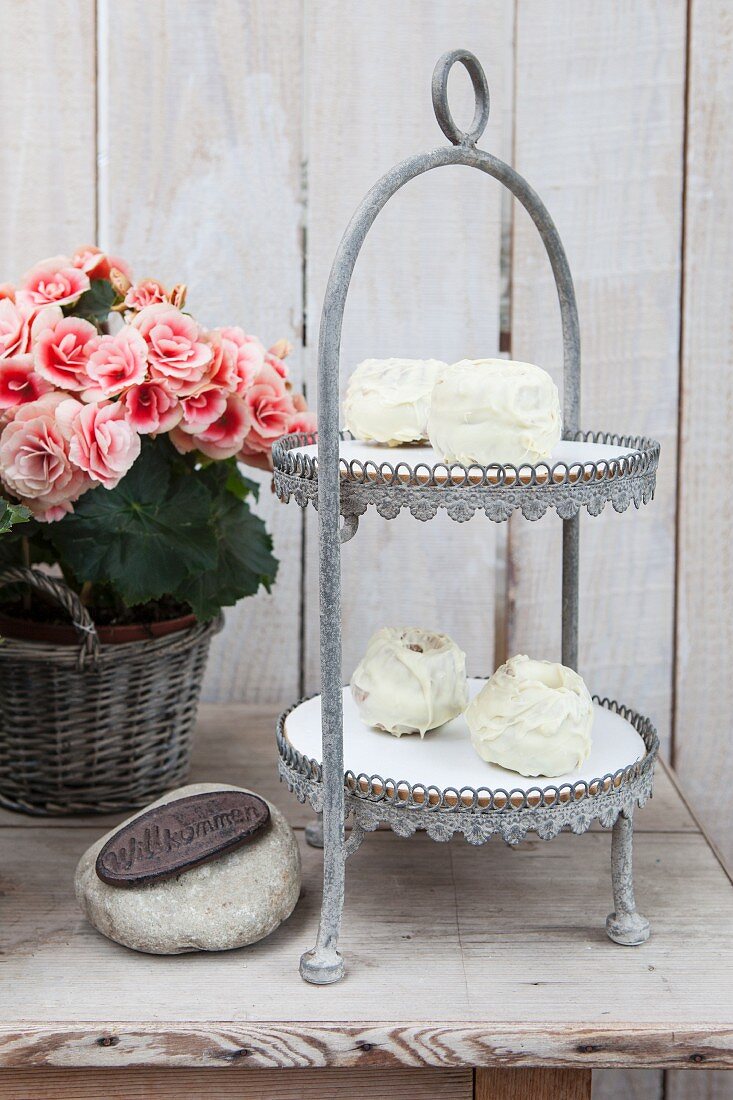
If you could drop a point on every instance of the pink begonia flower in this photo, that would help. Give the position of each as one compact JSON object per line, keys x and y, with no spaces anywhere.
{"x":270,"y":408}
{"x":35,"y":460}
{"x":53,"y":280}
{"x":149,"y":292}
{"x":221,"y":372}
{"x":201,"y":410}
{"x":21,"y":324}
{"x":15,"y":323}
{"x":223,"y":438}
{"x":62,"y":351}
{"x":302,"y":422}
{"x":19,"y":383}
{"x":151,"y":408}
{"x":248,"y":356}
{"x":7,"y":290}
{"x":103,"y":443}
{"x":116,"y":363}
{"x":277,"y":365}
{"x":97,"y":264}
{"x":176,"y":352}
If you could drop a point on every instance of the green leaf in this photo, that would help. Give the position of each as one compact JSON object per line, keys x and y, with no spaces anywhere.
{"x":143,"y":537}
{"x":11,"y":514}
{"x":95,"y":304}
{"x":239,"y":485}
{"x":245,"y":560}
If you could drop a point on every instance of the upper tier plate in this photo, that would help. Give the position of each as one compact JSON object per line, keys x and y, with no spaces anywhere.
{"x":587,"y":472}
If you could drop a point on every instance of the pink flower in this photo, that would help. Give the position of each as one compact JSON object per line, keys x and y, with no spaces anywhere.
{"x":62,"y":350}
{"x":270,"y":407}
{"x":19,"y":383}
{"x":150,"y":407}
{"x":117,"y":362}
{"x":302,"y":422}
{"x":201,"y":410}
{"x":21,"y":323}
{"x":223,"y":438}
{"x":147,"y":293}
{"x":176,"y":352}
{"x":53,"y":280}
{"x":35,"y":460}
{"x":103,"y":443}
{"x":248,"y":356}
{"x":7,"y":290}
{"x":222,"y":370}
{"x":277,"y":365}
{"x":97,"y":264}
{"x":14,"y":328}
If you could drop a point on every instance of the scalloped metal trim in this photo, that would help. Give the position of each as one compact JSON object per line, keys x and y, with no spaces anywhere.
{"x":498,"y":491}
{"x":478,"y":814}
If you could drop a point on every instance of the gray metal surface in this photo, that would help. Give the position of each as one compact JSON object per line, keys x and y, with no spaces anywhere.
{"x":324,"y":782}
{"x":372,"y":800}
{"x":497,"y":491}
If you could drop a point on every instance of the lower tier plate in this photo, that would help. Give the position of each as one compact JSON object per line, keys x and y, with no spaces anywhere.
{"x":446,"y":787}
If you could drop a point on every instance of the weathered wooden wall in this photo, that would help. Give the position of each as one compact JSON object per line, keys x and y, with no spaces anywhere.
{"x":226,"y":143}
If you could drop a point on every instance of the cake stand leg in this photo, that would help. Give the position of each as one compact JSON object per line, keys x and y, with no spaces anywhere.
{"x":314,"y":832}
{"x":324,"y":963}
{"x":625,"y":925}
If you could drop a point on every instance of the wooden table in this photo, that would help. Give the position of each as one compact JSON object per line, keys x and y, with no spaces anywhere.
{"x":457,"y":958}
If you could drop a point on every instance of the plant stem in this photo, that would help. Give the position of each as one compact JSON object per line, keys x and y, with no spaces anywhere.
{"x":86,"y":593}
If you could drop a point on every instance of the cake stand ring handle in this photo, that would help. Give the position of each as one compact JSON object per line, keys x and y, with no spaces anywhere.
{"x":480,"y":91}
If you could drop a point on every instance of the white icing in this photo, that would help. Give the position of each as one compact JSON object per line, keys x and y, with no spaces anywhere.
{"x":494,"y":410}
{"x":410,"y":681}
{"x":533,"y":717}
{"x":388,"y":400}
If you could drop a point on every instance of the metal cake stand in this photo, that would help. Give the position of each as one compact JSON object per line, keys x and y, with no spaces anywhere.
{"x":593,"y":469}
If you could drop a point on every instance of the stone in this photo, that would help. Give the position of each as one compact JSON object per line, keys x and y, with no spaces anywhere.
{"x":230,"y":902}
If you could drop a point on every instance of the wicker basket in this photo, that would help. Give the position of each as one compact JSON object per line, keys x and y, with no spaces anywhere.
{"x":95,"y":729}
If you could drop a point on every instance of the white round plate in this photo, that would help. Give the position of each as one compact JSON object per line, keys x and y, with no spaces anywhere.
{"x":445,"y":758}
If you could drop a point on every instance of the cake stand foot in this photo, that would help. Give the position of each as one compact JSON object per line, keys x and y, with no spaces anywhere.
{"x":625,"y":925}
{"x":321,"y":966}
{"x":314,"y":832}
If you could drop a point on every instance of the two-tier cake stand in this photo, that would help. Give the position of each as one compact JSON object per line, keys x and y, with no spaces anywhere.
{"x":445,"y":788}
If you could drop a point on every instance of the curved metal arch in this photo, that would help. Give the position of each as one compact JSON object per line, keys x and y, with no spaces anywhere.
{"x":324,"y":963}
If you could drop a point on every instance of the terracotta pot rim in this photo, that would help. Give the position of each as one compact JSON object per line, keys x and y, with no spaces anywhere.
{"x":62,"y":634}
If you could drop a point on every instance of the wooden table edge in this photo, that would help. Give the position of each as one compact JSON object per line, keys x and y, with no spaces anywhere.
{"x":269,"y":1045}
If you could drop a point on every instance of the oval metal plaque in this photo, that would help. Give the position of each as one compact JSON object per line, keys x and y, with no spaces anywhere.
{"x":170,"y":839}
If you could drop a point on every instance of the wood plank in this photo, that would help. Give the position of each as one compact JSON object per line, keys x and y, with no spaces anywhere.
{"x":629,"y":1084}
{"x":236,"y":744}
{"x":526,"y":924}
{"x":532,"y":1084}
{"x":383,"y":1045}
{"x":704,"y":694}
{"x":47,"y":158}
{"x":599,"y":131}
{"x":427,"y":284}
{"x":201,"y":184}
{"x":704,"y":591}
{"x":234,"y":1084}
{"x":712,"y":1085}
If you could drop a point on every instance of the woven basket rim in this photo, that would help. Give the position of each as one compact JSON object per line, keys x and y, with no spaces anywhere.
{"x":21,"y":649}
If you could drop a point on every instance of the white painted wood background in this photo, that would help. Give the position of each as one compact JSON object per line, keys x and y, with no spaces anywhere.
{"x":225,"y":143}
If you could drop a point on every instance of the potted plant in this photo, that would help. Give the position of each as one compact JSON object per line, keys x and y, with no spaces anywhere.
{"x":123,"y":423}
